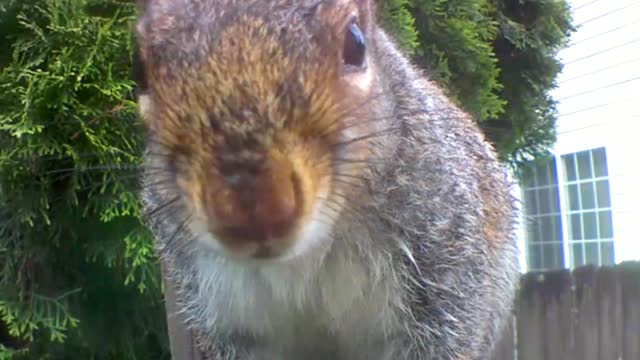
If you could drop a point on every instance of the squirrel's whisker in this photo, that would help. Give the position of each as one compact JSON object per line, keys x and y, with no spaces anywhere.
{"x":365,"y":137}
{"x":358,"y":178}
{"x":163,"y":206}
{"x":178,"y":230}
{"x":342,"y":161}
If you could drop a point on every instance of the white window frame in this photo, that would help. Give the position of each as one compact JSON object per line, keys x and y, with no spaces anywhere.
{"x":562,"y":193}
{"x":567,"y":213}
{"x":526,"y":244}
{"x":564,"y":211}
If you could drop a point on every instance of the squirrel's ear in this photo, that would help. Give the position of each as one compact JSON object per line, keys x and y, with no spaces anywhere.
{"x":140,"y":32}
{"x":156,"y":18}
{"x":152,"y":17}
{"x":142,"y":39}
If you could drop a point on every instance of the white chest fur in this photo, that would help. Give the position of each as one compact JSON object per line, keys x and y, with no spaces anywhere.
{"x":339,"y":295}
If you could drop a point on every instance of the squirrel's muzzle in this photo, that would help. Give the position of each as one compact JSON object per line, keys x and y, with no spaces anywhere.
{"x":255,"y":204}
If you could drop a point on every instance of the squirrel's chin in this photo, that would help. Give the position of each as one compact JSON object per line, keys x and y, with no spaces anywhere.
{"x":310,"y":237}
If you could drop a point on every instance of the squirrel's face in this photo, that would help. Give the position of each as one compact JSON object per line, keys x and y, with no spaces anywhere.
{"x":258,"y":116}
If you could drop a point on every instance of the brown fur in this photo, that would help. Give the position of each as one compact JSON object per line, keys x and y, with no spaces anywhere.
{"x":497,"y":220}
{"x":294,"y":105}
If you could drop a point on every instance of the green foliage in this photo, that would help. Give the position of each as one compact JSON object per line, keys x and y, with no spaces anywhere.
{"x":531,"y":34}
{"x":398,"y":20}
{"x":24,"y":319}
{"x":497,"y":59}
{"x":77,"y":265}
{"x":456,"y":46}
{"x":78,"y":277}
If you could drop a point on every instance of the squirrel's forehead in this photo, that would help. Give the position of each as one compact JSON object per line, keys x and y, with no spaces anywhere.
{"x":294,"y":37}
{"x":166,"y":17}
{"x":181,"y":23}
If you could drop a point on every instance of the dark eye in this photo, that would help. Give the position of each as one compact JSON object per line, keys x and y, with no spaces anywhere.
{"x":353,"y":53}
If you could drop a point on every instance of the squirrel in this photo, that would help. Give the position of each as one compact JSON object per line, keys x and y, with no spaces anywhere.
{"x":312,"y":193}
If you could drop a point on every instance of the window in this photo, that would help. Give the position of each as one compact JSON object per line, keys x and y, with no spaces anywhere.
{"x":545,"y":249}
{"x":568,"y":222}
{"x":588,"y":208}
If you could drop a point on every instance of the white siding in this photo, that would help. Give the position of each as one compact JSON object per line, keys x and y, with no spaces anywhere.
{"x":600,"y":82}
{"x":622,"y":143}
{"x":599,"y":105}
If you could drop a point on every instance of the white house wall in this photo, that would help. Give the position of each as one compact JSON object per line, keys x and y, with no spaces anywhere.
{"x":599,"y":105}
{"x":623,"y":156}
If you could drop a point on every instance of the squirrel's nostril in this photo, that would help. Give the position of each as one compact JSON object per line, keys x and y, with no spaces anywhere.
{"x":257,"y":206}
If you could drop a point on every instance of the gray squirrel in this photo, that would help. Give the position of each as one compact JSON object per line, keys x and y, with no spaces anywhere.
{"x":311,"y":193}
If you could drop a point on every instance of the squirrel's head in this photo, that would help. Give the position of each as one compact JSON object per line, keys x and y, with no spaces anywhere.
{"x":258,"y":115}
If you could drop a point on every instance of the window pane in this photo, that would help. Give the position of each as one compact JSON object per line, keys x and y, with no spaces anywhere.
{"x":606,"y":224}
{"x":527,"y":181}
{"x":589,"y":222}
{"x":591,"y":252}
{"x":573,"y":195}
{"x":576,"y":228}
{"x":552,"y":256}
{"x":577,"y":255}
{"x":533,"y":230}
{"x":584,"y":165}
{"x":529,"y":176}
{"x":544,"y":197}
{"x":570,"y":167}
{"x":587,"y":196}
{"x":530,"y":202}
{"x":600,"y":162}
{"x":607,"y":253}
{"x":546,"y":223}
{"x":542,"y":173}
{"x":602,"y":190}
{"x":535,"y":257}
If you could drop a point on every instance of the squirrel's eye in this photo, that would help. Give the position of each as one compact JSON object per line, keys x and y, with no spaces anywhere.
{"x":353,"y":53}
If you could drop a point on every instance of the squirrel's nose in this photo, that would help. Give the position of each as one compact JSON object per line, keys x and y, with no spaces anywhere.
{"x":257,"y":202}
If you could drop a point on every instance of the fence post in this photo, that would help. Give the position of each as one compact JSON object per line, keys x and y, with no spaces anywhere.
{"x":181,"y":340}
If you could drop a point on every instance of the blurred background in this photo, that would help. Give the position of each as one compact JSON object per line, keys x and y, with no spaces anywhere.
{"x":552,"y":83}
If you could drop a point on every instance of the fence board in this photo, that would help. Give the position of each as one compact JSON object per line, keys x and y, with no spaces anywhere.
{"x":181,"y":339}
{"x":588,"y":314}
{"x":631,"y":314}
{"x":587,"y":327}
{"x":610,"y":319}
{"x":558,"y":317}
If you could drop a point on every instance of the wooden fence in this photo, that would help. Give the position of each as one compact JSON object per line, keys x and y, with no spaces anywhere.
{"x":588,"y":314}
